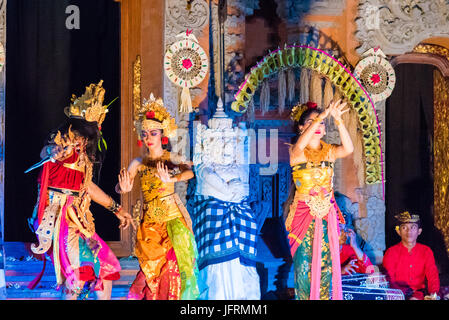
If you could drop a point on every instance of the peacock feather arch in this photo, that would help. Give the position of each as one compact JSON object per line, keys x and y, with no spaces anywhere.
{"x":304,"y":56}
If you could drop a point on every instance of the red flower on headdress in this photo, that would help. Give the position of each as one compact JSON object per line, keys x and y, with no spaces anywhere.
{"x":311,"y":105}
{"x":164,"y":140}
{"x":139,"y":143}
{"x":149,"y":115}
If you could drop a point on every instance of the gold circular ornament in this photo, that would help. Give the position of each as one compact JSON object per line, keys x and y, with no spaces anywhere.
{"x":376,"y":75}
{"x":186,"y":63}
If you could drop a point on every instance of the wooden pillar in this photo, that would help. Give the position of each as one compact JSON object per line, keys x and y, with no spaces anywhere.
{"x":142,"y":32}
{"x":152,"y":46}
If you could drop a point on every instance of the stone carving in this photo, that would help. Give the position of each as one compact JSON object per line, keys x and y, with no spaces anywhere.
{"x":372,"y":228}
{"x":291,"y":10}
{"x":183,"y":18}
{"x":221,"y":153}
{"x":246,"y":6}
{"x":284,"y":178}
{"x":223,"y":221}
{"x":221,"y":143}
{"x":398,"y":26}
{"x":178,"y":19}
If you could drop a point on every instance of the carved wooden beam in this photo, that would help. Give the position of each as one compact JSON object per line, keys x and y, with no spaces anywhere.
{"x":424,"y":58}
{"x":142,"y":34}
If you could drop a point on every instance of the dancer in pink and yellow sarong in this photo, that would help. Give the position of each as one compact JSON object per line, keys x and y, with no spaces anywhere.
{"x":313,"y":218}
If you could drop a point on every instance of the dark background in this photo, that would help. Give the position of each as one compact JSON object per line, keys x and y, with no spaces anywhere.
{"x":46,"y":64}
{"x":409,"y":156}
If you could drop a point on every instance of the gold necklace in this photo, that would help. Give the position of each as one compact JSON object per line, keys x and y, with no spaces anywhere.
{"x":163,"y":154}
{"x":315,"y":156}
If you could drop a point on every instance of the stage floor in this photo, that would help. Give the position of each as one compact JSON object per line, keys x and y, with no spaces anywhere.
{"x":274,"y":267}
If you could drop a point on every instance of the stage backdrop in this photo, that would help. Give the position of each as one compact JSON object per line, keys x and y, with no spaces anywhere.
{"x":51,"y":55}
{"x":409,"y":155}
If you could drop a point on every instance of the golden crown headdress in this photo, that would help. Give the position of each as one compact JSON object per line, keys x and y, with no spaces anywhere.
{"x":299,"y":109}
{"x":152,"y":114}
{"x":406,"y":217}
{"x":90,"y":105}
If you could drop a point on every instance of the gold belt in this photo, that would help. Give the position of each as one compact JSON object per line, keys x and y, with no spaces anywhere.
{"x":69,"y":192}
{"x":319,"y":204}
{"x":160,"y":210}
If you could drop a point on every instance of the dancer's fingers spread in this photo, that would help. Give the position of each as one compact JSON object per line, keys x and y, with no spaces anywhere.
{"x":342,"y":105}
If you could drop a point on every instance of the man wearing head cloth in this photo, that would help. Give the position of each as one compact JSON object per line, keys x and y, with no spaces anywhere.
{"x":409,"y":264}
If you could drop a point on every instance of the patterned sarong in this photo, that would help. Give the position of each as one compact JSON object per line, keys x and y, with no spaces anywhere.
{"x":224,"y":231}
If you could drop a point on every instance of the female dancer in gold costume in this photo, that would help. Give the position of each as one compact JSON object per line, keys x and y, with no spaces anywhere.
{"x":165,"y":246}
{"x":312,"y":221}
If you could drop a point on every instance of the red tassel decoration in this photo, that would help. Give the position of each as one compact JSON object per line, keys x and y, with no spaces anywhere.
{"x":164,"y":140}
{"x":139,"y":143}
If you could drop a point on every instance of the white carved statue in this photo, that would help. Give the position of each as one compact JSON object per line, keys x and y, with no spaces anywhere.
{"x":224,"y":225}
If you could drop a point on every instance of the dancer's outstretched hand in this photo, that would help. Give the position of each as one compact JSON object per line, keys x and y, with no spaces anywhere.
{"x":323,"y":115}
{"x":162,"y":172}
{"x":125,"y":181}
{"x":56,"y":152}
{"x":336,"y":109}
{"x":125,"y":220}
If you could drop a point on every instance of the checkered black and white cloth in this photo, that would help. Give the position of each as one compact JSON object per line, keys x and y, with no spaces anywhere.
{"x":224,"y":231}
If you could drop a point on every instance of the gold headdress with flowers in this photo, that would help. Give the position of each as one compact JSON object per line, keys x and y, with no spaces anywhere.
{"x":406,"y":217}
{"x":90,"y":105}
{"x":299,"y":109}
{"x":152,"y":114}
